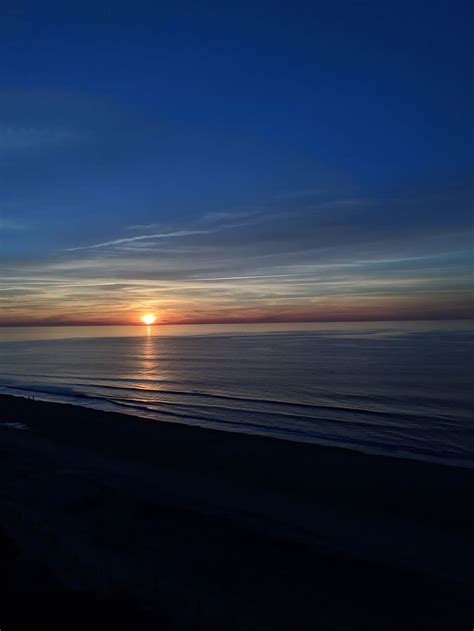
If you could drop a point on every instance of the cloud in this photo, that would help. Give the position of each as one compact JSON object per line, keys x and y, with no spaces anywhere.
{"x":11,"y":224}
{"x":16,"y":138}
{"x":158,"y":235}
{"x":227,"y":217}
{"x":209,"y":231}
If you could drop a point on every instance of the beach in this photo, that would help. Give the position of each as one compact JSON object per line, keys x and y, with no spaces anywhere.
{"x":152,"y":525}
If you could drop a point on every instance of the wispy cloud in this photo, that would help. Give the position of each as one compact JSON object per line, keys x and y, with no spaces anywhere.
{"x":143,"y":237}
{"x":215,"y":220}
{"x":11,"y":224}
{"x":14,"y":138}
{"x":252,"y":276}
{"x":230,"y":216}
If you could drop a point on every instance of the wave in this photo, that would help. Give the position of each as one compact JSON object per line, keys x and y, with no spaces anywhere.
{"x":286,"y":415}
{"x":325,"y":437}
{"x":295,"y":426}
{"x":374,"y":398}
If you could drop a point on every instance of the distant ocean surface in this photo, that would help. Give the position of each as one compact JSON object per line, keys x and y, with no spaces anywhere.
{"x":403,"y":389}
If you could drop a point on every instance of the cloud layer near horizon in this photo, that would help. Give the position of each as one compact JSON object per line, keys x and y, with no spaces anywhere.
{"x":105,"y":215}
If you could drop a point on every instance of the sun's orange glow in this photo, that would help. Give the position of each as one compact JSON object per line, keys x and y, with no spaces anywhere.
{"x":149,"y":318}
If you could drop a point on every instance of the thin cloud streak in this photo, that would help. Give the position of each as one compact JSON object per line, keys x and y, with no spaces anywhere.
{"x":159,"y":235}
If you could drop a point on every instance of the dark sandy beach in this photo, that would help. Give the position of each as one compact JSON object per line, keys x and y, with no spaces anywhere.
{"x":112,"y":521}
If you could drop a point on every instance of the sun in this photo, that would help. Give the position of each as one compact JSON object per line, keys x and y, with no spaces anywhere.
{"x":149,"y":318}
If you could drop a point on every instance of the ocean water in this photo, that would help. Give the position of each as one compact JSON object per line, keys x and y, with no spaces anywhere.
{"x":403,"y":389}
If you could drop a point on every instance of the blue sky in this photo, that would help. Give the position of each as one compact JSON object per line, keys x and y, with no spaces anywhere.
{"x":235,"y":161}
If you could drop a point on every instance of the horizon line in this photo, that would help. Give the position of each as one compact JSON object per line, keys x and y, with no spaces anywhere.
{"x":224,"y":322}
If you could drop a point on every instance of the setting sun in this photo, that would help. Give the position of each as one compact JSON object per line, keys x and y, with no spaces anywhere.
{"x":149,"y":318}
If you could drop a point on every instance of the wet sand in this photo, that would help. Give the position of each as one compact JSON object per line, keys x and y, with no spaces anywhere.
{"x":108,"y":519}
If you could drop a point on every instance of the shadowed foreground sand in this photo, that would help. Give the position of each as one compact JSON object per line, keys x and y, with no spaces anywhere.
{"x":108,"y":521}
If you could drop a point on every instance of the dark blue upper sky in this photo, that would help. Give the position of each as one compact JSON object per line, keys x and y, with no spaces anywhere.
{"x":379,"y":88}
{"x":144,"y":118}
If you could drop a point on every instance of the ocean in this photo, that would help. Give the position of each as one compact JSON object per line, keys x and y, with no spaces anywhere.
{"x":400,"y":389}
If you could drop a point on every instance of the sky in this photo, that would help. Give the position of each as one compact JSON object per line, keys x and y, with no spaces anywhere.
{"x":235,"y":161}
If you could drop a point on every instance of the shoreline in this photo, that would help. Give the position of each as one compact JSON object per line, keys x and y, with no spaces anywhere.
{"x":246,"y":429}
{"x":133,"y":496}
